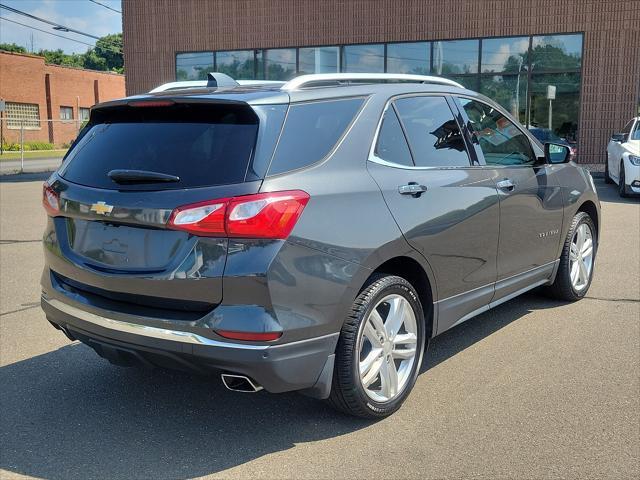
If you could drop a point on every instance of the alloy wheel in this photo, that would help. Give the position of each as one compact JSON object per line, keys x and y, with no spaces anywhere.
{"x":387,"y":348}
{"x":581,"y":257}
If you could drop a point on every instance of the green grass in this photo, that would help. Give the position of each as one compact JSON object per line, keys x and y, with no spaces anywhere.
{"x":34,"y":154}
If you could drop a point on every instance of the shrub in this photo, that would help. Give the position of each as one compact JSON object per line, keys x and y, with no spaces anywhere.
{"x":38,"y":146}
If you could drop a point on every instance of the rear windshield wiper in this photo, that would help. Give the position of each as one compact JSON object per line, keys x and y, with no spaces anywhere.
{"x":140,"y":176}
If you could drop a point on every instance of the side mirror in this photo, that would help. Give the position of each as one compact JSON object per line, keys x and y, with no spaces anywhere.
{"x":556,"y":153}
{"x":619,"y":137}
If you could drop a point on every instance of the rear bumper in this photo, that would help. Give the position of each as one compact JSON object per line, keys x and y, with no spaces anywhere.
{"x":301,"y":365}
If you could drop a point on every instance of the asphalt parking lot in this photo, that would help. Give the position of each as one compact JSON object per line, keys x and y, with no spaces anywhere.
{"x":532,"y":389}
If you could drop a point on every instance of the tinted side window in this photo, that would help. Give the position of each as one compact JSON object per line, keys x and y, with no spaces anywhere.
{"x":432,"y":131}
{"x":311,"y":130}
{"x":502,"y":143}
{"x":392,"y":146}
{"x":636,"y":133}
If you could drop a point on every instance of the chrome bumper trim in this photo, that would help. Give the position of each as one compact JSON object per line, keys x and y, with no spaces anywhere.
{"x":146,"y":331}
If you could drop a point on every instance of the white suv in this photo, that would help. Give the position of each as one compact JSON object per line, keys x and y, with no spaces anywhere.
{"x":623,"y":159}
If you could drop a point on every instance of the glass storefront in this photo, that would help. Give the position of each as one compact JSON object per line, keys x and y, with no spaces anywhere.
{"x":536,"y":78}
{"x":280,"y":64}
{"x":363,"y":58}
{"x":414,"y":58}
{"x":319,"y":60}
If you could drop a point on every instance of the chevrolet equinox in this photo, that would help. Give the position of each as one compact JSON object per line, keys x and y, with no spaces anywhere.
{"x":312,"y":235}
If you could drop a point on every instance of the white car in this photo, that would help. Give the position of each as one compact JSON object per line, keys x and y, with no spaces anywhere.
{"x":623,"y":159}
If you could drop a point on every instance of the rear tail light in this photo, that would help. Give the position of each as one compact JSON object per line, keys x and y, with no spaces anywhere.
{"x":263,"y":215}
{"x":50,"y":200}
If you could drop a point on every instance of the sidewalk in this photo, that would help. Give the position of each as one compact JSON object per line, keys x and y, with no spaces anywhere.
{"x":48,"y":164}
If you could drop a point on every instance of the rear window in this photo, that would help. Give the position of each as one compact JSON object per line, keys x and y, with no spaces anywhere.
{"x":311,"y":130}
{"x":202,"y":144}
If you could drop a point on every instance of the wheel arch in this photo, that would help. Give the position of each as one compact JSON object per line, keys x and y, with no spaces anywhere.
{"x":590,"y":209}
{"x":412,"y":271}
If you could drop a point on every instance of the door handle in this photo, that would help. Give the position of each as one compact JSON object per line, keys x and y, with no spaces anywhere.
{"x":412,"y":188}
{"x":506,"y":184}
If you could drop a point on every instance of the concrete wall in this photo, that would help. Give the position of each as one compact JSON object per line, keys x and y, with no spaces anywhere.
{"x":154,"y":30}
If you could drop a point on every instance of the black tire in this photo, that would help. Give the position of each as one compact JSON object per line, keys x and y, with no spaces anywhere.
{"x":347,"y":393}
{"x":607,"y":178}
{"x":562,"y":288}
{"x":622,"y":188}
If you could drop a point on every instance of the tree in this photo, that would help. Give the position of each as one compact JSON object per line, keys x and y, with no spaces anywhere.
{"x":105,"y":55}
{"x":109,"y":48}
{"x":12,"y":47}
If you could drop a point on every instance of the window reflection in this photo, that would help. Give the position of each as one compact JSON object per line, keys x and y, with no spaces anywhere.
{"x":504,"y":54}
{"x":556,"y":52}
{"x":193,"y":66}
{"x":510,"y":91}
{"x":280,"y":64}
{"x":319,"y":60}
{"x":237,"y":64}
{"x":564,"y":108}
{"x":363,"y":58}
{"x":412,"y":58}
{"x":456,"y":56}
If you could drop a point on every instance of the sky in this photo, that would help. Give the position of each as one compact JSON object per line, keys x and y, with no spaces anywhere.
{"x":82,"y":15}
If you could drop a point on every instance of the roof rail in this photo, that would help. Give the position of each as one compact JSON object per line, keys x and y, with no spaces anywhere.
{"x":204,"y":83}
{"x":308,"y":80}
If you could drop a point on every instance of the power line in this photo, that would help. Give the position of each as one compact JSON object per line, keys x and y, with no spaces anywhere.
{"x":61,"y":36}
{"x":61,"y":27}
{"x":48,"y":33}
{"x":105,"y":6}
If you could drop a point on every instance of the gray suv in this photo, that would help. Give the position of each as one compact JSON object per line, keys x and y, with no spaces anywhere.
{"x":310,"y":235}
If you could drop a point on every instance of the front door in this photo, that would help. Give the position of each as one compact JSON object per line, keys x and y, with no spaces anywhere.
{"x":446,"y":208}
{"x":531,"y":206}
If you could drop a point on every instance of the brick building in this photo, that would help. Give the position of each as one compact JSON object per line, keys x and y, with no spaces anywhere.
{"x":35,"y":92}
{"x":510,"y":50}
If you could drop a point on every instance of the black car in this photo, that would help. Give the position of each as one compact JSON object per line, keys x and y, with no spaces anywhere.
{"x":307,"y":236}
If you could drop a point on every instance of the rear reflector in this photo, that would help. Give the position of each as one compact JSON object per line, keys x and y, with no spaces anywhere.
{"x":50,"y":200}
{"x":263,"y":215}
{"x":250,"y":336}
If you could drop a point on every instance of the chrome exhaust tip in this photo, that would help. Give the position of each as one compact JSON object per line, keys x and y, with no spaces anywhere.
{"x":240,"y":383}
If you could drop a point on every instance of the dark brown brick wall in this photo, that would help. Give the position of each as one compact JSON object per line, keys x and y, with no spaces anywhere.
{"x":154,"y":30}
{"x":23,"y":80}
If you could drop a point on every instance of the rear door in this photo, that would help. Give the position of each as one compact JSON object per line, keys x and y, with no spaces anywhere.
{"x":531,"y":206}
{"x":446,"y":207}
{"x":110,"y":239}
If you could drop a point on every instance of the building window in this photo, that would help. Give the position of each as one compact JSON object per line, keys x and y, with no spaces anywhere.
{"x":280,"y":64}
{"x":409,"y":58}
{"x":508,"y":55}
{"x":84,"y":114}
{"x":318,"y":60}
{"x":517,"y":72}
{"x":363,"y":58}
{"x":556,"y":52}
{"x":194,"y":66}
{"x":510,"y":91}
{"x":455,"y":57}
{"x":559,"y":113}
{"x":238,"y":64}
{"x":66,"y":113}
{"x":25,"y":115}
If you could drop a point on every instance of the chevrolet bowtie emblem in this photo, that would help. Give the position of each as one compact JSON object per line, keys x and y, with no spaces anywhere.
{"x":101,"y":208}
